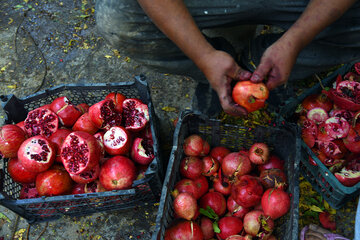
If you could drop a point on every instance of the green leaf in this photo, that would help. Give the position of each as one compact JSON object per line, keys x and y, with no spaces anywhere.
{"x":216,"y":227}
{"x":18,"y":7}
{"x":209,"y":212}
{"x":2,"y":216}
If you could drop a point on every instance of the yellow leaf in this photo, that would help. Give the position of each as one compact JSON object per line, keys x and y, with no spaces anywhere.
{"x":108,"y":56}
{"x":19,"y":233}
{"x":10,"y":21}
{"x":3,"y":69}
{"x":332,"y":211}
{"x":315,"y":208}
{"x":127,"y":59}
{"x":12,"y":86}
{"x":168,"y":109}
{"x":85,"y":26}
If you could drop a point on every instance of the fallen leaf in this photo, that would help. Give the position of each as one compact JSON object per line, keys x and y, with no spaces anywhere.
{"x":108,"y":56}
{"x":10,"y":21}
{"x":315,"y":208}
{"x":12,"y":86}
{"x":168,"y":109}
{"x":19,"y":233}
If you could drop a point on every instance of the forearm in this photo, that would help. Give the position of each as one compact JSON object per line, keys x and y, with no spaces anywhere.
{"x":317,"y":16}
{"x":174,"y":20}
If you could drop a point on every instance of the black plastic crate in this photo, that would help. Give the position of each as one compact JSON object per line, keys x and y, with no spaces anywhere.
{"x":144,"y":191}
{"x":320,"y":177}
{"x":283,"y":141}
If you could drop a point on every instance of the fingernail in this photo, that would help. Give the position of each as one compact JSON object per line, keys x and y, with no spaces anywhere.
{"x":255,"y":77}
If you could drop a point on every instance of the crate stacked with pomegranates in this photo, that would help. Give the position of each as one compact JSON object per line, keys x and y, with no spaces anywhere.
{"x":230,"y":182}
{"x":83,"y":149}
{"x":329,"y":120}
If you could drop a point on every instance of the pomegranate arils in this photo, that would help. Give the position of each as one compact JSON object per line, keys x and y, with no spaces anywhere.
{"x":41,"y":121}
{"x":135,"y":113}
{"x":104,"y":115}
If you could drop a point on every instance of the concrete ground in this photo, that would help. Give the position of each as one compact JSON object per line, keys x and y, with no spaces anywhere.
{"x":47,"y":43}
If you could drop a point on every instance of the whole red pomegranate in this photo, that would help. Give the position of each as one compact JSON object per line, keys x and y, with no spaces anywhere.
{"x":215,"y":200}
{"x":259,"y":153}
{"x":191,"y":167}
{"x":65,"y":110}
{"x":117,"y":173}
{"x":229,"y":226}
{"x":256,"y":223}
{"x":36,"y":154}
{"x":211,"y":166}
{"x":247,"y":191}
{"x":41,"y":121}
{"x":84,"y":123}
{"x":274,"y":162}
{"x":18,"y":173}
{"x":184,"y":229}
{"x":57,"y":138}
{"x":186,"y":185}
{"x":275,"y":202}
{"x":53,"y":182}
{"x":78,"y":188}
{"x":235,"y":164}
{"x":185,"y":206}
{"x":11,"y":137}
{"x":79,"y":152}
{"x":273,"y":178}
{"x":202,"y":185}
{"x":104,"y":115}
{"x":219,"y":152}
{"x":195,"y":145}
{"x":135,"y":114}
{"x":235,"y":209}
{"x":207,"y":228}
{"x":117,"y":141}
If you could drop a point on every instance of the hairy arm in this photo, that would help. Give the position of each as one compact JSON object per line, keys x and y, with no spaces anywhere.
{"x":174,"y":20}
{"x":278,"y":60}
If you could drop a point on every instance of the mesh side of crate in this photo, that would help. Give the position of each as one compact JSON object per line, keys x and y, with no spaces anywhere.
{"x":146,"y":190}
{"x":281,"y":141}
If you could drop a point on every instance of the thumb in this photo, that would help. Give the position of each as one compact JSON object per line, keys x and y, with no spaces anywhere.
{"x":261,"y":72}
{"x":241,"y":74}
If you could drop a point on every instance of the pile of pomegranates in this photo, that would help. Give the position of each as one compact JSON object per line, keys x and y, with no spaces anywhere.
{"x":227,"y":195}
{"x":331,"y":127}
{"x":62,"y":148}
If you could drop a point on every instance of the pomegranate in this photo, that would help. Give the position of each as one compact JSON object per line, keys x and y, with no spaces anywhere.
{"x":135,"y":114}
{"x":327,"y":220}
{"x":256,"y":223}
{"x":222,"y":184}
{"x":322,"y":135}
{"x":238,"y":237}
{"x":273,"y":178}
{"x":184,"y":229}
{"x":308,"y":137}
{"x":36,"y":154}
{"x":337,"y":127}
{"x":146,"y":132}
{"x":100,"y":138}
{"x":57,"y":138}
{"x":118,"y":100}
{"x":274,"y":162}
{"x":79,"y":152}
{"x":333,"y":149}
{"x":142,"y":151}
{"x":11,"y":137}
{"x":117,"y":141}
{"x":104,"y":115}
{"x":86,"y":176}
{"x":207,"y":228}
{"x":53,"y":182}
{"x":247,"y":191}
{"x":94,"y":186}
{"x":215,"y":200}
{"x":22,"y":126}
{"x":219,"y":152}
{"x":28,"y":191}
{"x":65,"y":110}
{"x":235,"y":209}
{"x":18,"y":173}
{"x":317,"y":100}
{"x":259,"y":153}
{"x":352,"y":140}
{"x":229,"y":226}
{"x":342,"y":113}
{"x":235,"y":164}
{"x":195,"y":145}
{"x":185,"y":206}
{"x":275,"y":203}
{"x":117,"y":173}
{"x":78,"y":188}
{"x":186,"y":185}
{"x":318,"y":115}
{"x":348,"y":177}
{"x":41,"y":121}
{"x":191,"y":167}
{"x":211,"y":166}
{"x":83,"y":107}
{"x":202,"y":186}
{"x":84,"y":123}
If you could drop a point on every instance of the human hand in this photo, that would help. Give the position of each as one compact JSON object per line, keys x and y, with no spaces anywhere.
{"x":315,"y":232}
{"x":276,"y":64}
{"x":221,"y":69}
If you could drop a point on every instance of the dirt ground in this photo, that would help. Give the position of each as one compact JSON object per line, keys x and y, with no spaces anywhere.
{"x":48,"y":43}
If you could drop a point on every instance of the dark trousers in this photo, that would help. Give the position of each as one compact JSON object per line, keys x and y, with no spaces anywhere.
{"x":126,"y":27}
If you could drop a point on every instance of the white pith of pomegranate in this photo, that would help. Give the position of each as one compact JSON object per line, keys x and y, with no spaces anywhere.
{"x":142,"y":151}
{"x":36,"y":154}
{"x":79,"y":152}
{"x":104,"y":115}
{"x":86,"y":176}
{"x":318,"y":115}
{"x":117,"y":141}
{"x":66,"y":111}
{"x":11,"y":137}
{"x":135,"y":114}
{"x":41,"y":121}
{"x":337,"y":127}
